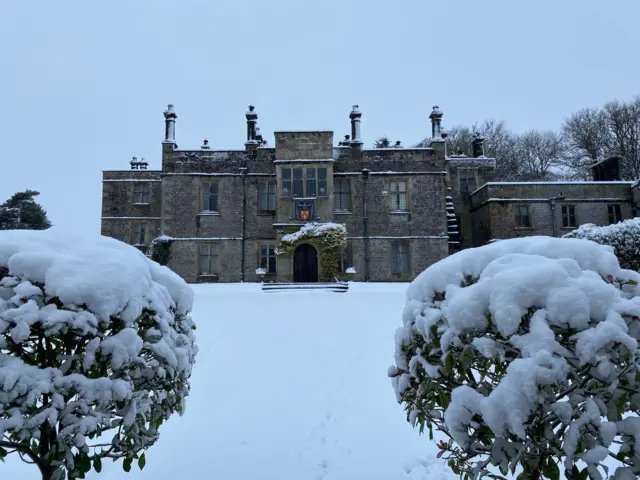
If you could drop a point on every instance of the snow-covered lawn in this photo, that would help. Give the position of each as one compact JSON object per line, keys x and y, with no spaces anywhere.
{"x":288,"y":386}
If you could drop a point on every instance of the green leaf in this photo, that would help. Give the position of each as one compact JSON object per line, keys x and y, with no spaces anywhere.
{"x":620,"y":406}
{"x":3,"y":452}
{"x":126,"y":464}
{"x":83,"y":463}
{"x":551,"y":470}
{"x":97,"y":464}
{"x":583,"y":475}
{"x":448,"y":364}
{"x":142,"y":461}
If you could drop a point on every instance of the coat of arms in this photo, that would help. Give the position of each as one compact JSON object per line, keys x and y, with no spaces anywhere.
{"x":305,"y":213}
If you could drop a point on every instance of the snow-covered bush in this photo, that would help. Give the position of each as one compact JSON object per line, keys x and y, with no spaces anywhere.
{"x":524,"y":353}
{"x":96,"y":351}
{"x":624,"y":237}
{"x":160,"y":249}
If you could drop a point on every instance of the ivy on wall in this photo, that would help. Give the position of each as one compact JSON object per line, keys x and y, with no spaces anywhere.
{"x":328,"y":238}
{"x":160,"y":250}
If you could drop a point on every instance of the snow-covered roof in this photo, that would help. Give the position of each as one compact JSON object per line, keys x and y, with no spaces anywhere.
{"x":585,"y":182}
{"x":306,"y":160}
{"x":398,"y":149}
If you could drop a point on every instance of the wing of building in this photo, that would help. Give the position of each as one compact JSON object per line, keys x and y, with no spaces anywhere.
{"x":225,"y":213}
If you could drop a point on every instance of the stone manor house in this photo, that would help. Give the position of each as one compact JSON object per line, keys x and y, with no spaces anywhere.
{"x":226,"y":212}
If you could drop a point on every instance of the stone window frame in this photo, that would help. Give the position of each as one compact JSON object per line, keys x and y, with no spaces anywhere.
{"x":398,"y":192}
{"x":400,"y":245}
{"x":569,"y":217}
{"x":340,"y":196}
{"x":304,"y":181}
{"x":614,"y":212}
{"x":134,"y":233}
{"x":203,"y":196}
{"x":141,"y":190}
{"x":268,"y":210}
{"x":268,"y":245}
{"x":215,"y":256}
{"x":519,"y":218}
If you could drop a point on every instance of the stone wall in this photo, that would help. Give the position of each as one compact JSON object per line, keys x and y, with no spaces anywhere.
{"x":494,"y":206}
{"x":119,"y":212}
{"x":304,"y":145}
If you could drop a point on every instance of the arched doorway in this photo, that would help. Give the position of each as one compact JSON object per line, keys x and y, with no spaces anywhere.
{"x":305,"y":264}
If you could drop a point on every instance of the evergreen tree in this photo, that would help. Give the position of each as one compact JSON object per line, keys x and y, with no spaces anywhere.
{"x":382,"y":142}
{"x":22,"y":212}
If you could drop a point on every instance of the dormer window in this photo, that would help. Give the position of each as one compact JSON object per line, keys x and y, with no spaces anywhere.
{"x":304,"y":182}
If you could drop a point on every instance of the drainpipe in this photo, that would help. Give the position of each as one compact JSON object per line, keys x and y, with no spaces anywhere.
{"x":365,"y":223}
{"x":552,"y":204}
{"x":243,"y":171}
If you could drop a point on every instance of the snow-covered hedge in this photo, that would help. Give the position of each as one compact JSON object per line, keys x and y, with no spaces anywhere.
{"x":524,"y":353}
{"x":96,"y":350}
{"x":624,"y":237}
{"x":329,"y":235}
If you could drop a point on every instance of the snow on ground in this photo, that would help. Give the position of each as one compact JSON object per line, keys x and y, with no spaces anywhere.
{"x":288,"y":385}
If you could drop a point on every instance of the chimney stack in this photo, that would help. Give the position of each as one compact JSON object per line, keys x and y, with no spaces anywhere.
{"x":356,"y":141}
{"x":170,"y":125}
{"x":477,"y":145}
{"x":205,"y":145}
{"x":436,"y":122}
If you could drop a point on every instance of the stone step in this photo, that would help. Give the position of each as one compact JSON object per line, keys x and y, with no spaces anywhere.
{"x":326,"y":287}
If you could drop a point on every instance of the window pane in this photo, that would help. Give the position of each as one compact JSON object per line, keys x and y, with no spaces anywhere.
{"x":311,"y":188}
{"x":262,"y":201}
{"x":402,"y":186}
{"x":394,"y":187}
{"x":286,"y":173}
{"x":311,"y":173}
{"x":402,"y":201}
{"x":405,"y":261}
{"x":297,"y":188}
{"x":394,"y":202}
{"x":322,"y":174}
{"x":286,"y":188}
{"x":297,"y":174}
{"x":272,"y":196}
{"x":205,"y":196}
{"x":322,"y":188}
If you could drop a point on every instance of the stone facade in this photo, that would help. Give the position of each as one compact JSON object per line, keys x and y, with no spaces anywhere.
{"x":226,"y":211}
{"x":503,"y":210}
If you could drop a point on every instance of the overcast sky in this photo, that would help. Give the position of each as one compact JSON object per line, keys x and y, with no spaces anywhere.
{"x":85,"y":83}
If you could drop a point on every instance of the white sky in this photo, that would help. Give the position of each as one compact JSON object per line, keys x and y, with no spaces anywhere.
{"x":85,"y":83}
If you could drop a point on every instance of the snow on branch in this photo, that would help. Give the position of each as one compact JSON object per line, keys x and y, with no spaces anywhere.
{"x":96,"y":350}
{"x":623,"y":237}
{"x":524,"y":352}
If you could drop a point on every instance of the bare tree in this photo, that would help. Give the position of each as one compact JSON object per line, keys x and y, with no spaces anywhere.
{"x":624,"y":124}
{"x":538,"y":153}
{"x":596,"y":133}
